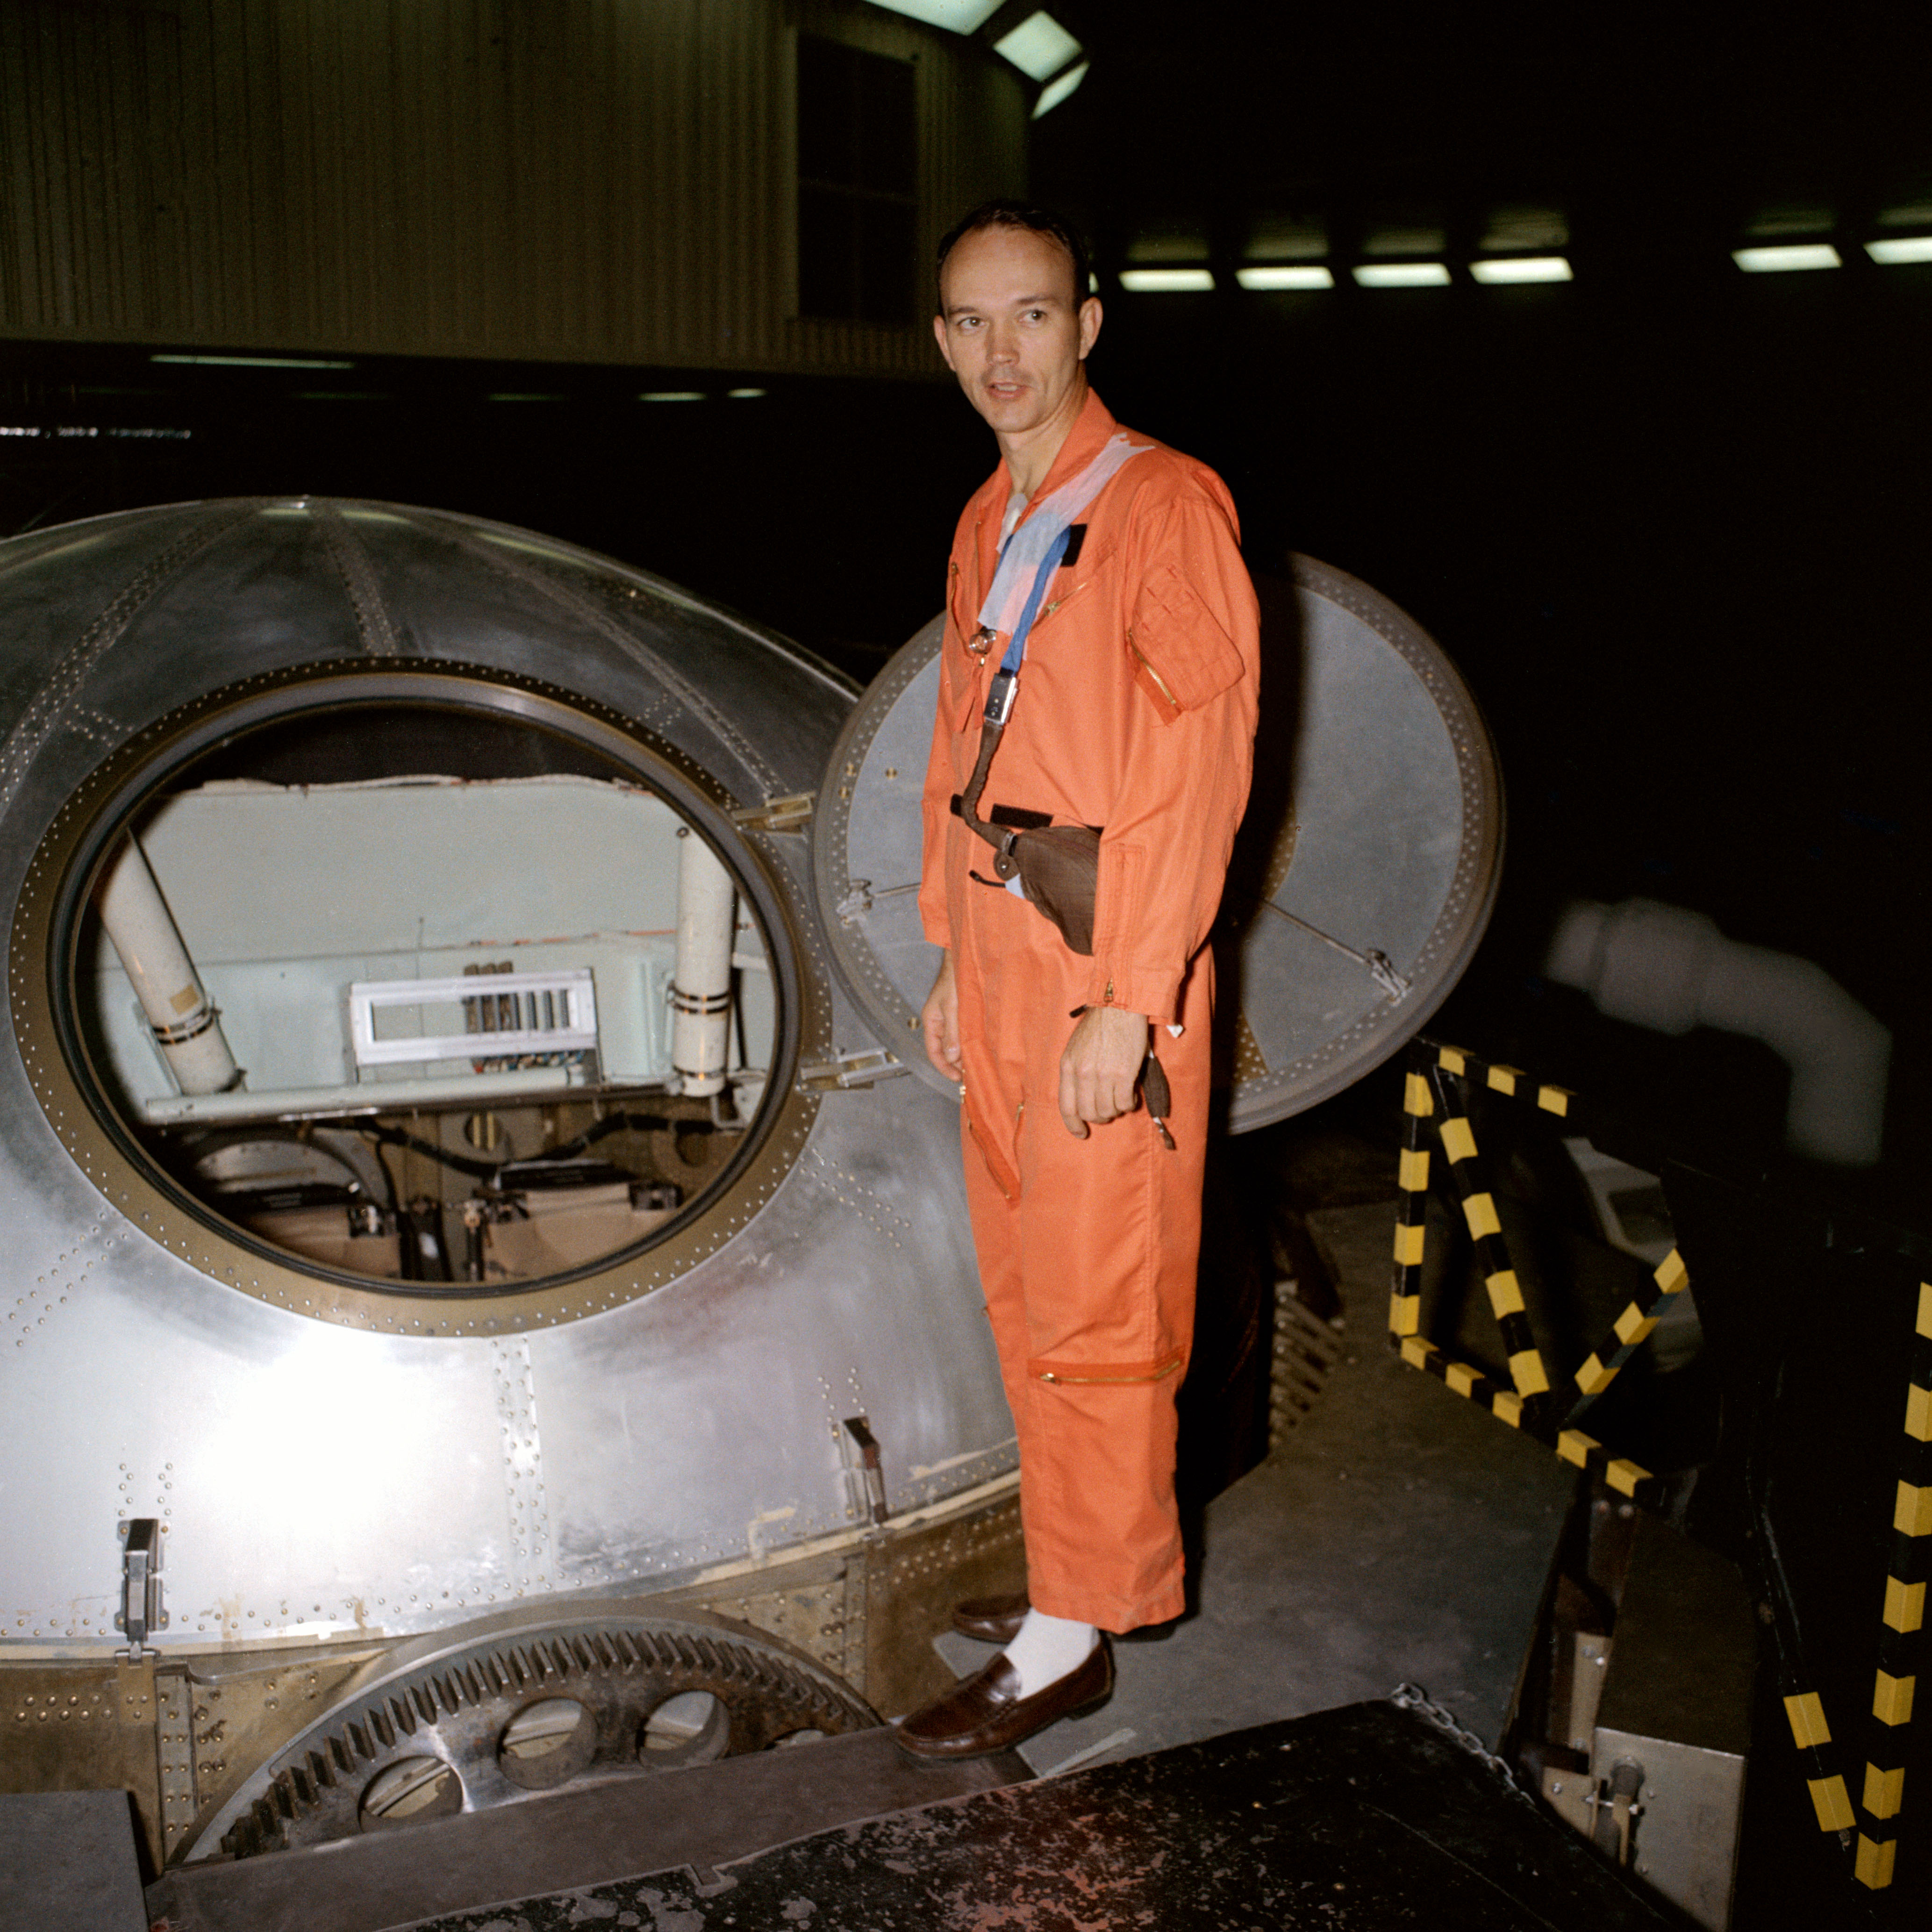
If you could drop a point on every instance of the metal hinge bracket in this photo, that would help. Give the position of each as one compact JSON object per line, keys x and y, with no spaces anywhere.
{"x":141,"y":1611}
{"x":858,"y":1067}
{"x":872,"y":1470}
{"x":789,"y":813}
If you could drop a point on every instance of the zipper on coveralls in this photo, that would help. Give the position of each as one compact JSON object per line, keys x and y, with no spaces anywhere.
{"x":1153,"y":1375}
{"x":1151,"y":672}
{"x":1059,"y":601}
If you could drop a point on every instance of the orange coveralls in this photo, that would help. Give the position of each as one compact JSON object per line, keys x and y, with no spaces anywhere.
{"x":1135,"y":712}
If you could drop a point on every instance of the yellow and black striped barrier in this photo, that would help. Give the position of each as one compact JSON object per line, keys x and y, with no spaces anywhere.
{"x":1804,"y":1711}
{"x":1435,"y":1092}
{"x":1632,"y":1330}
{"x":1902,"y":1627}
{"x":1436,"y":1110}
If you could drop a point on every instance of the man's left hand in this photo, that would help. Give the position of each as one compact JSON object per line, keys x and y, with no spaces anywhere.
{"x":1099,"y":1069}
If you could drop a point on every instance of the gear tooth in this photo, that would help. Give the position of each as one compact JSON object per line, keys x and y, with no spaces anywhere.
{"x":262,"y":1827}
{"x":385,"y":1732}
{"x":423,"y":1696}
{"x":243,"y":1839}
{"x":404,"y":1718}
{"x":341,"y":1751}
{"x":602,"y":1649}
{"x":358,"y":1741}
{"x":321,"y":1770}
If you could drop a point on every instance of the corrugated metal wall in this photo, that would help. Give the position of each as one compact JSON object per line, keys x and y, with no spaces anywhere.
{"x":580,"y":180}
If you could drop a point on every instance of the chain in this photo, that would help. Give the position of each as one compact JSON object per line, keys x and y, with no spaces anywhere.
{"x":1413,"y":1697}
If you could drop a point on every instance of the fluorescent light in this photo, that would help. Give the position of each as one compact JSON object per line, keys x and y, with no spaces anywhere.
{"x":961,"y":17}
{"x":1165,"y":281}
{"x":1285,"y":275}
{"x":1785,"y":256}
{"x":672,"y":396}
{"x":256,"y":361}
{"x":1039,"y":47}
{"x":743,"y":395}
{"x":1522,"y":268}
{"x":1403,"y":275}
{"x":1905,"y":248}
{"x":1055,"y":92}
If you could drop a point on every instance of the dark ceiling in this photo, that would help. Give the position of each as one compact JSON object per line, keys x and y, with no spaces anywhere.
{"x":1657,"y":130}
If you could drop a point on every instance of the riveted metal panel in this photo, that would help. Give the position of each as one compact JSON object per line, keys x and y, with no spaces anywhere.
{"x":330,"y":1459}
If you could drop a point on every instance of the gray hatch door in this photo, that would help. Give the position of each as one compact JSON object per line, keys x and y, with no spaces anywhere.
{"x":1361,"y":882}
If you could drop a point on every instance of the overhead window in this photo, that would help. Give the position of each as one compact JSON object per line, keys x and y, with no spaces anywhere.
{"x":858,"y":200}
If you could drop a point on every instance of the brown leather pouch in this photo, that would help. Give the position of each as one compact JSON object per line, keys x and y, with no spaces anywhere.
{"x":1058,"y":865}
{"x":1059,"y":868}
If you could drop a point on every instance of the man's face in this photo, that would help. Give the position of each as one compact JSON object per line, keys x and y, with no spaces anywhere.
{"x":1012,"y":329}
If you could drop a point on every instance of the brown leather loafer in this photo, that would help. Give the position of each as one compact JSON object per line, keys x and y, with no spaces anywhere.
{"x":985,"y":1713}
{"x":991,"y":1619}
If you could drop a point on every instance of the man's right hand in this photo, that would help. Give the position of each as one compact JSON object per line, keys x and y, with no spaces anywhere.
{"x":939,"y":1021}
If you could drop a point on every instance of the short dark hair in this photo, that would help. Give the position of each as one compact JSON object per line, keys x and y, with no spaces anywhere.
{"x":1035,"y":221}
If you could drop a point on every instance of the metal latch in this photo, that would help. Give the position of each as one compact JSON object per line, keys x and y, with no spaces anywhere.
{"x":860,"y":1431}
{"x":1616,"y":1810}
{"x":140,"y":1612}
{"x":776,"y":814}
{"x":858,"y":1067}
{"x":860,"y":898}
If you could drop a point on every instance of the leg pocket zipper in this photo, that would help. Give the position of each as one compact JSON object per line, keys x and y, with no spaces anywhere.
{"x":1106,"y":1371}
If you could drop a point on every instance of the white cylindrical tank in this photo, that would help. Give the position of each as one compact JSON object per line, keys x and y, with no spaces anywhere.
{"x":700,"y":994}
{"x":186,"y":1027}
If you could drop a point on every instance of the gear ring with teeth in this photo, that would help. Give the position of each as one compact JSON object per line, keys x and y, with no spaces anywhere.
{"x":447,"y":1727}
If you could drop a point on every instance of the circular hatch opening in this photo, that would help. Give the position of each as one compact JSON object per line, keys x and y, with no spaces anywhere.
{"x":420,"y":981}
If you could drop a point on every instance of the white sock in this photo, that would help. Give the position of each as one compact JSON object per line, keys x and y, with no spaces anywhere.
{"x":1047,"y":1647}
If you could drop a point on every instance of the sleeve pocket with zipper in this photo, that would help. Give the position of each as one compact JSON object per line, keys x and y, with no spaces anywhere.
{"x":1182,"y":655}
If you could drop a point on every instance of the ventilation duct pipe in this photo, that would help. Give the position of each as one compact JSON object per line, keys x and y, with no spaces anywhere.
{"x":1671,"y":969}
{"x":700,"y":994}
{"x":186,"y":1028}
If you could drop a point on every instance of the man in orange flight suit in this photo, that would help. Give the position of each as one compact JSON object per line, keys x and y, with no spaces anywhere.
{"x":1134,"y":713}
